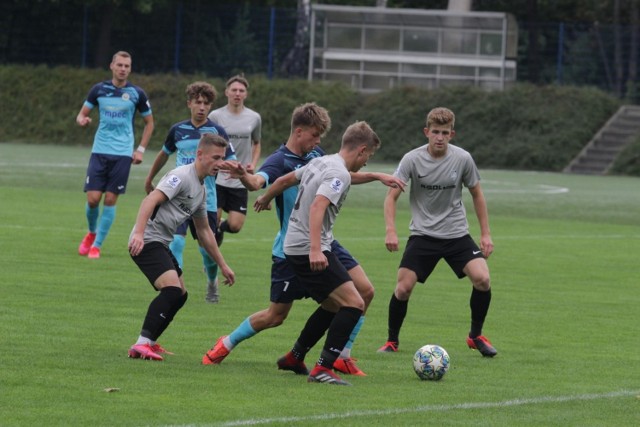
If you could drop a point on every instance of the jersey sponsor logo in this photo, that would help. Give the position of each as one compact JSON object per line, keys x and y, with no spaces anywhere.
{"x":336,"y":185}
{"x":173,"y":181}
{"x":438,"y":187}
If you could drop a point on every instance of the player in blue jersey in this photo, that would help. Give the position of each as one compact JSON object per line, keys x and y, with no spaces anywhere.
{"x":112,"y":153}
{"x":182,"y":139}
{"x":308,"y":124}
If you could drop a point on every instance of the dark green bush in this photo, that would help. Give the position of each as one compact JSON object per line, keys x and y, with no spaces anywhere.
{"x":523,"y":127}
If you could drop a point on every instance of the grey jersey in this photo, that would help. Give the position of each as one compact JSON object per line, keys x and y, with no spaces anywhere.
{"x":187,"y":197}
{"x":326,"y":176}
{"x":243,"y":129}
{"x":436,"y":191}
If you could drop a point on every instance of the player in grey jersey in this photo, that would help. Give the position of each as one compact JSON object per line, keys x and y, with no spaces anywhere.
{"x":179,"y":195}
{"x":439,"y":227}
{"x":323,"y":186}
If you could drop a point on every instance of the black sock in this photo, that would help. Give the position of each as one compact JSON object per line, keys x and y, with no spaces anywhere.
{"x":479,"y":303}
{"x":159,"y":309}
{"x":338,"y":334}
{"x":397,"y":313}
{"x":174,"y":310}
{"x":313,"y":330}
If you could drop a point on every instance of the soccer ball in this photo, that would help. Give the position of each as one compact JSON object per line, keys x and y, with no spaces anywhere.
{"x":431,"y":362}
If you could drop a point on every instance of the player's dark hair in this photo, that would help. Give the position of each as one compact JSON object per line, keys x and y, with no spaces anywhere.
{"x":238,"y":78}
{"x":204,"y":89}
{"x":311,"y":115}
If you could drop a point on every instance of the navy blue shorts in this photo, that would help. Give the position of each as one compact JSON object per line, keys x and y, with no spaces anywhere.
{"x":319,"y":284}
{"x":285,"y":287}
{"x":107,"y":172}
{"x":422,"y":253}
{"x":232,"y":199}
{"x":155,"y":260}
{"x":213,"y":224}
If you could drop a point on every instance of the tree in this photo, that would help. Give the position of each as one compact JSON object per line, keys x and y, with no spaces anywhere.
{"x":295,"y":63}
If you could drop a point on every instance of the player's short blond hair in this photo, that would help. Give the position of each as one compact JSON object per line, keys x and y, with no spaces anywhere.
{"x":360,"y":133}
{"x":440,"y":116}
{"x":311,"y":115}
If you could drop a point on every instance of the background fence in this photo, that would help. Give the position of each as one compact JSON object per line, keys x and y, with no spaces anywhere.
{"x":219,"y":40}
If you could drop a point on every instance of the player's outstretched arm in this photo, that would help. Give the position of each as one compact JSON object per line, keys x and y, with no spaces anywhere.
{"x":236,"y":170}
{"x":275,"y":189}
{"x":158,"y":163}
{"x":385,"y":178}
{"x":144,"y":141}
{"x":391,"y":235}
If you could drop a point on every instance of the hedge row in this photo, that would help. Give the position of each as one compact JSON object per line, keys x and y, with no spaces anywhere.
{"x":524,"y":127}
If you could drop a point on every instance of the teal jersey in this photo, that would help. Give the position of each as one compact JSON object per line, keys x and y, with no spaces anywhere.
{"x":117,"y":108}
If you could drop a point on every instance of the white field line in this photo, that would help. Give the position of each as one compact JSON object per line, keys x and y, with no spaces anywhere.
{"x":430,"y":408}
{"x":241,"y":239}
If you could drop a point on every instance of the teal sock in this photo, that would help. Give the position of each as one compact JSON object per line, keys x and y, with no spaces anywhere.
{"x":106,"y":220}
{"x":210,"y":266}
{"x":92,"y":217}
{"x":243,"y":332}
{"x":346,"y":351}
{"x":177,"y":247}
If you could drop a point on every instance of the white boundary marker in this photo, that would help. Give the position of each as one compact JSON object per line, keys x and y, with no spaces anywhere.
{"x":431,"y":408}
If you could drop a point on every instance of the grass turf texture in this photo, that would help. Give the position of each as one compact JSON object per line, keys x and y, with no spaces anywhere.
{"x":564,"y":314}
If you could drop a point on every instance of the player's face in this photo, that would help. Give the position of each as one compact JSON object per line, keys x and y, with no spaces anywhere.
{"x":365,"y":153}
{"x":200,"y":108}
{"x":121,"y":68}
{"x":211,"y":158}
{"x":308,"y":138}
{"x":439,"y":137}
{"x":236,"y":94}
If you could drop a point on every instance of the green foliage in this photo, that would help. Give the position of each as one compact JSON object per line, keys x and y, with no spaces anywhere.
{"x":523,"y":127}
{"x":628,"y":162}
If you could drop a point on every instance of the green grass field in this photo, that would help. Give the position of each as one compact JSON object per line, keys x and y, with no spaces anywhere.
{"x":564,"y":315}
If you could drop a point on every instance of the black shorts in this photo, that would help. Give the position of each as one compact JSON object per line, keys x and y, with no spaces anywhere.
{"x":213,"y":224}
{"x":155,"y":260}
{"x":232,"y":199}
{"x":107,"y":172}
{"x":319,"y":284}
{"x":285,"y":286}
{"x":423,"y":253}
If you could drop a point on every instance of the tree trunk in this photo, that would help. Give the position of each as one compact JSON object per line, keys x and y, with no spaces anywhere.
{"x":103,"y":50}
{"x":533,"y":55}
{"x":295,"y":63}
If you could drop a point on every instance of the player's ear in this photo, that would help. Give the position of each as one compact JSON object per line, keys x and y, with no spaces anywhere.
{"x":426,"y":132}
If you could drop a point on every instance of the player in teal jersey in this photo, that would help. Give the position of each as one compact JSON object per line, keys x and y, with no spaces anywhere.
{"x":182,"y":139}
{"x":112,"y":153}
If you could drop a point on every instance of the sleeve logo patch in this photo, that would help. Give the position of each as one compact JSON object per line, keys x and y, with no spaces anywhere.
{"x":336,"y":185}
{"x":173,"y":181}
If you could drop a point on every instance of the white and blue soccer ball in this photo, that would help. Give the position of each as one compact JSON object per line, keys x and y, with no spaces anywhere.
{"x":431,"y":362}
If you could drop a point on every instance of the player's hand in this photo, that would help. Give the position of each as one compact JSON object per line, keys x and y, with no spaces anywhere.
{"x":136,"y":244}
{"x":233,"y":168}
{"x":137,"y":157}
{"x":391,"y":241}
{"x":83,"y":121}
{"x":148,"y":187}
{"x":318,"y":261}
{"x":229,"y":276}
{"x":486,"y":246}
{"x":250,"y":169}
{"x":392,"y":181}
{"x":262,"y":204}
